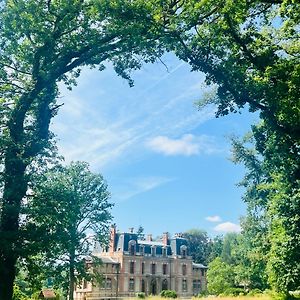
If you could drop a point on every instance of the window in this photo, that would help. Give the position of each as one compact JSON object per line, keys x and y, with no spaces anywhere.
{"x":183,"y":251}
{"x":197,"y":286}
{"x":164,"y":285}
{"x":164,"y":269}
{"x":202,"y":272}
{"x":131,"y":267}
{"x":143,"y":267}
{"x":131,"y":285}
{"x":183,"y":270}
{"x":84,"y":284}
{"x":108,"y":284}
{"x":184,"y":285}
{"x":131,"y":247}
{"x":142,"y":250}
{"x":153,"y":250}
{"x":164,"y":252}
{"x":153,"y":268}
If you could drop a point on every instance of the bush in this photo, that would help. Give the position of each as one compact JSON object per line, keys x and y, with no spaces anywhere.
{"x":168,"y":294}
{"x":254,"y":292}
{"x":233,"y":292}
{"x":140,"y":295}
{"x":18,"y":294}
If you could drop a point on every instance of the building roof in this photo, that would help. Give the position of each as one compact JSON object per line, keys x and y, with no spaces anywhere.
{"x":47,"y":294}
{"x":200,"y":266}
{"x":150,"y":243}
{"x":106,"y":259}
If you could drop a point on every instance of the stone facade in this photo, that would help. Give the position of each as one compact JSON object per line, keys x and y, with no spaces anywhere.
{"x":131,"y":265}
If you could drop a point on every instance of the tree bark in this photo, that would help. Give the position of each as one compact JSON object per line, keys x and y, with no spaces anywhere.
{"x":72,"y":275}
{"x":14,"y":190}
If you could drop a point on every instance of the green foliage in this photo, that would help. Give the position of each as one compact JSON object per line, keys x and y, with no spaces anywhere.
{"x":141,"y":295}
{"x":249,"y":51}
{"x":233,"y":291}
{"x":168,"y":294}
{"x":254,"y":292}
{"x":220,"y":277}
{"x":67,"y":205}
{"x":199,"y":245}
{"x":18,"y":294}
{"x":43,"y":43}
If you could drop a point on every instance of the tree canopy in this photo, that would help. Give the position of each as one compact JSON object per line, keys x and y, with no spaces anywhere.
{"x":70,"y":207}
{"x":42,"y":43}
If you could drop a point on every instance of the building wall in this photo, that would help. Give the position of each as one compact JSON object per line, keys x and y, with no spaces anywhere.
{"x":126,"y":273}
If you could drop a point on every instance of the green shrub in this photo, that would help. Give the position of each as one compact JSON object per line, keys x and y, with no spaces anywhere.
{"x":254,"y":292}
{"x":233,"y":292}
{"x":140,"y":295}
{"x":18,"y":294}
{"x":203,"y":294}
{"x":168,"y":294}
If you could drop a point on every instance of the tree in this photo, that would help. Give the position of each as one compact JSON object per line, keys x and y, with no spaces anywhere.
{"x":271,"y":227}
{"x":140,"y":233}
{"x":71,"y":206}
{"x":249,"y":51}
{"x":220,"y":276}
{"x":42,"y":43}
{"x":198,"y":245}
{"x":216,"y":247}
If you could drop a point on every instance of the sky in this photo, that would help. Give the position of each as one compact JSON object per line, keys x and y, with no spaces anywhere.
{"x":166,"y":163}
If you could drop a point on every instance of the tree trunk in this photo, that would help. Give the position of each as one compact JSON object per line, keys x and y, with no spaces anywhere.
{"x":72,"y":276}
{"x":15,"y":187}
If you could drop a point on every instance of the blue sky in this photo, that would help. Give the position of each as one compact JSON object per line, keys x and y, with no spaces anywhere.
{"x":166,"y":163}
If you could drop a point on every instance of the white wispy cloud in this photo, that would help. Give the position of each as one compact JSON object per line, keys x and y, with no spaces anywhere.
{"x":228,"y":227}
{"x":104,"y":121}
{"x":187,"y":145}
{"x":213,"y":219}
{"x":135,"y":186}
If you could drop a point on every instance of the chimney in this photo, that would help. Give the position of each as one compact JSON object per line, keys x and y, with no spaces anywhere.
{"x":112,"y":238}
{"x":149,"y":237}
{"x":178,"y":235}
{"x":165,"y":238}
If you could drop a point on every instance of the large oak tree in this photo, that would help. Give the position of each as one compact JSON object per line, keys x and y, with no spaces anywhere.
{"x":42,"y":43}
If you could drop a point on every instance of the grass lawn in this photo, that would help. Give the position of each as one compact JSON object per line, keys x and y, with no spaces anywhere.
{"x":257,"y":297}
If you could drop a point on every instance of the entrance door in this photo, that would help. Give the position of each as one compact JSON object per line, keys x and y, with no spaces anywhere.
{"x":153,"y":287}
{"x":164,"y":285}
{"x":143,"y":286}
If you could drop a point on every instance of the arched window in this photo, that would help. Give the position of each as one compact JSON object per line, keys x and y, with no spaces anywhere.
{"x":153,"y":250}
{"x":131,"y":285}
{"x":131,"y":247}
{"x":183,"y":270}
{"x":183,"y":251}
{"x":164,"y":285}
{"x":184,"y":285}
{"x":164,"y":251}
{"x":143,"y":286}
{"x":142,"y":249}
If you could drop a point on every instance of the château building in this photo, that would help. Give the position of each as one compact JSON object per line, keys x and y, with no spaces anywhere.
{"x":132,"y":265}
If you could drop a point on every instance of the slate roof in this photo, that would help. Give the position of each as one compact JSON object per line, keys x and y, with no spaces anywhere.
{"x":173,"y":248}
{"x":200,"y":266}
{"x":47,"y":294}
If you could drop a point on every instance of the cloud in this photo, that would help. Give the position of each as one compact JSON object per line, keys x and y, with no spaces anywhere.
{"x":228,"y":227}
{"x":138,"y":185}
{"x":187,"y":145}
{"x":103,"y":121}
{"x":213,"y":219}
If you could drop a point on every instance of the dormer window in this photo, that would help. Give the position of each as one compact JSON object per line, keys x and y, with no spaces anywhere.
{"x":164,"y":251}
{"x":142,"y":249}
{"x":131,"y":247}
{"x":153,"y":250}
{"x":183,"y":251}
